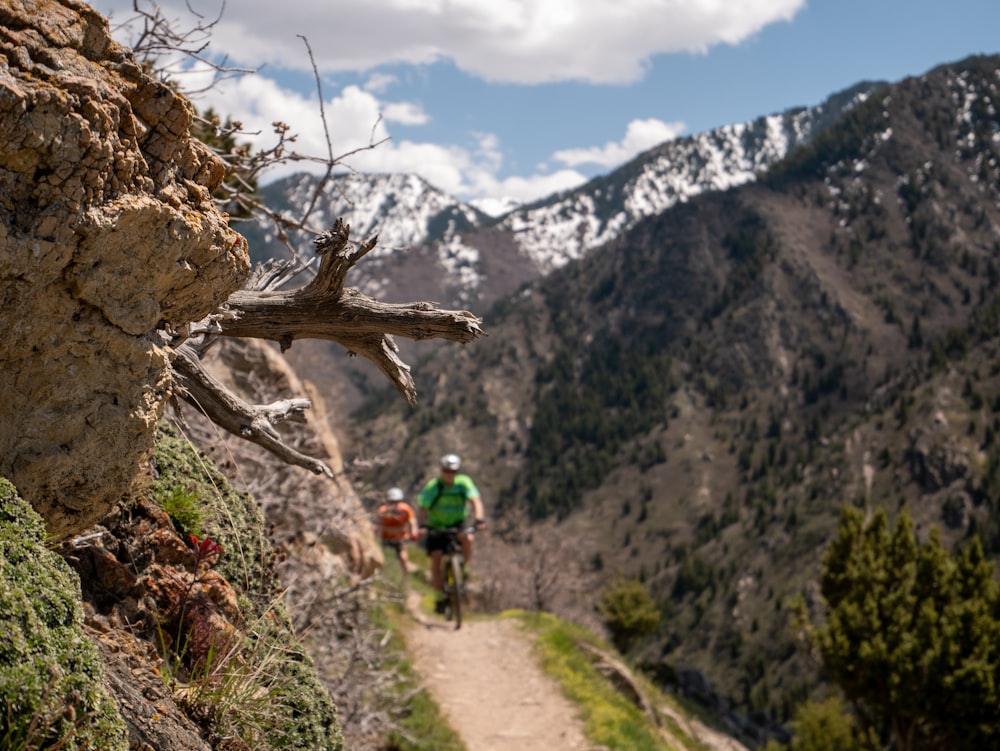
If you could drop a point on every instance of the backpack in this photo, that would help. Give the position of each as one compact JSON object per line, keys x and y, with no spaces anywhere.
{"x":439,"y":491}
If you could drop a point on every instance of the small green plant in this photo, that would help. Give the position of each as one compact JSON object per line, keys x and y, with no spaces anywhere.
{"x":185,"y":509}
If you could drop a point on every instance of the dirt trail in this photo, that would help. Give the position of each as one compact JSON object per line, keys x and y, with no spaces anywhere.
{"x":487,"y":682}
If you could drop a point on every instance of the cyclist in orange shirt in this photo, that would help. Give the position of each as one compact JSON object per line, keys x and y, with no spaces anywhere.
{"x":398,"y":525}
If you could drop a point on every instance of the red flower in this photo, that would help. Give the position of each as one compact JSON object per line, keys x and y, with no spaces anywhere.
{"x":204,"y":549}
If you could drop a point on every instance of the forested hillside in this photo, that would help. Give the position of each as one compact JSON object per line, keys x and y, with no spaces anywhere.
{"x":695,"y":401}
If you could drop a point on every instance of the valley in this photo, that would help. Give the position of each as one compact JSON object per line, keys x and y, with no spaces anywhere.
{"x":693,"y":401}
{"x":733,"y":408}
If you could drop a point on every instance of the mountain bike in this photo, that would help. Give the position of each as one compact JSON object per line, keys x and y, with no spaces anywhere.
{"x":454,"y":579}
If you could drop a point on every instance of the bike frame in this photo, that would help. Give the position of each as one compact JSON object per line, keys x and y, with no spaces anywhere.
{"x":451,"y":571}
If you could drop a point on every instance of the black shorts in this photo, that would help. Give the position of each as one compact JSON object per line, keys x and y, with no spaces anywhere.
{"x":437,"y":539}
{"x":396,"y":545}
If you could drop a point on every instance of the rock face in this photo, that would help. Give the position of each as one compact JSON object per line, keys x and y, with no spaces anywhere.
{"x":321,"y":521}
{"x":107,"y":233}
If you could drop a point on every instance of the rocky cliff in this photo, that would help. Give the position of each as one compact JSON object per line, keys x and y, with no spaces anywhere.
{"x":108,"y":232}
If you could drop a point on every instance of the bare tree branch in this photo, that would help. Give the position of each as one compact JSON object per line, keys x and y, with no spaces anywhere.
{"x":255,"y":423}
{"x":324,"y":309}
{"x":321,"y":309}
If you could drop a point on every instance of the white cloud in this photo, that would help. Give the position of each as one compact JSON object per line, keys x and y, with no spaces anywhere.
{"x":522,"y":41}
{"x":639,"y":136}
{"x":377,"y":83}
{"x":526,"y":41}
{"x":356,"y":118}
{"x":405,"y":113}
{"x":488,"y":151}
{"x":526,"y":189}
{"x":353,"y":120}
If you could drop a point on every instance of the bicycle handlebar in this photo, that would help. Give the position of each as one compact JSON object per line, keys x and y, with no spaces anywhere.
{"x":453,"y":531}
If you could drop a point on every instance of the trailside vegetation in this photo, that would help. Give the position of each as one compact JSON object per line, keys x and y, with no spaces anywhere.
{"x":911,"y":635}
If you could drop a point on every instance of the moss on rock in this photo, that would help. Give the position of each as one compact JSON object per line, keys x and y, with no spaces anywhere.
{"x":298,"y":711}
{"x":229,"y":517}
{"x":51,"y":680}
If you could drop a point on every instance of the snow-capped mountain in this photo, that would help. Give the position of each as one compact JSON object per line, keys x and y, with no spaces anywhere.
{"x":403,"y":210}
{"x":459,"y":254}
{"x":565,"y":227}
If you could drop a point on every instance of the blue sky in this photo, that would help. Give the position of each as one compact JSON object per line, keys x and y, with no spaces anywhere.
{"x":519,"y":98}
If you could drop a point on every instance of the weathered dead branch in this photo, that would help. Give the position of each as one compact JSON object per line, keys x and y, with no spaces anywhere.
{"x":254,"y":423}
{"x":325,"y":309}
{"x":322,"y":309}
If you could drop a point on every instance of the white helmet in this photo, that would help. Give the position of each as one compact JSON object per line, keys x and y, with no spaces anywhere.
{"x":451,"y":461}
{"x":395,"y":494}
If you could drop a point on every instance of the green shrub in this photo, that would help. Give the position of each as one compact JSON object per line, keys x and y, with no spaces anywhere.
{"x":824,"y":726}
{"x":912,"y":633}
{"x":628,"y":611}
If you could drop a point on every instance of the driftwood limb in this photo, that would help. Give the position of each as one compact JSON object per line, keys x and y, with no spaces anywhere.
{"x":254,"y":423}
{"x":322,"y":309}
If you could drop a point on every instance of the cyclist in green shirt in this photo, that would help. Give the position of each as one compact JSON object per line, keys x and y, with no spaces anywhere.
{"x":443,"y":504}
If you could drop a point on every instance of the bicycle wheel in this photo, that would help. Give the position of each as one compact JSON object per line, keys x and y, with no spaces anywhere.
{"x":453,"y":582}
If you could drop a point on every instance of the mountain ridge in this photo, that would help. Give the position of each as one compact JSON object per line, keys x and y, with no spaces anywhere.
{"x":406,"y":211}
{"x":466,"y":259}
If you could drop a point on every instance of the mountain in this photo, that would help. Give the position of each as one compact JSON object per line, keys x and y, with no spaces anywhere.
{"x":432,"y":246}
{"x":564,"y":227}
{"x":692,"y":402}
{"x":471,"y":247}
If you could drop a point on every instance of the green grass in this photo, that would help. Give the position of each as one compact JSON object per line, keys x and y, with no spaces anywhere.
{"x":184,"y":507}
{"x":611,"y":720}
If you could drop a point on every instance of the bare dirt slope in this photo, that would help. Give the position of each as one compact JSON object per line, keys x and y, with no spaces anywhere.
{"x":485,"y":678}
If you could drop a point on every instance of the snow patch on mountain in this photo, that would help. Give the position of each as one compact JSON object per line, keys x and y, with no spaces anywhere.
{"x":402,"y":210}
{"x":561,"y":231}
{"x":495,"y":207}
{"x":460,"y":262}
